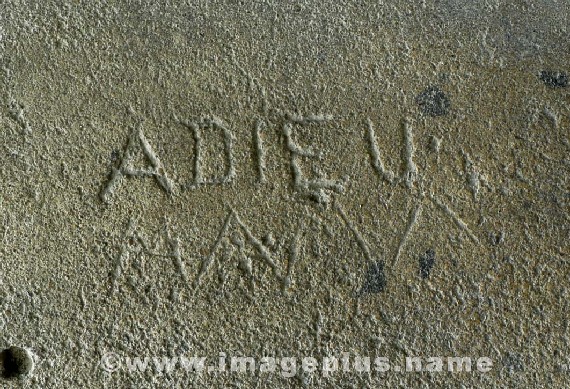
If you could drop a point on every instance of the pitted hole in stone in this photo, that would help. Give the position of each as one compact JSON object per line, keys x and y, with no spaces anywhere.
{"x":15,"y":362}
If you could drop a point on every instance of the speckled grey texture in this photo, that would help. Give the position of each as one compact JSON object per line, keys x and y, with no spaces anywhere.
{"x":269,"y":179}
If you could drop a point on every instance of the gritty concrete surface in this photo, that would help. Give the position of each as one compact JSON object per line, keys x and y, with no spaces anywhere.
{"x":272,"y":179}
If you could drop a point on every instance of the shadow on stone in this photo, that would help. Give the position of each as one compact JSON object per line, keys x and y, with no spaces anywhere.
{"x":15,"y":362}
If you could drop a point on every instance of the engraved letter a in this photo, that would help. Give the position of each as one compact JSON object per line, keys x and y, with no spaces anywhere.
{"x":137,"y":142}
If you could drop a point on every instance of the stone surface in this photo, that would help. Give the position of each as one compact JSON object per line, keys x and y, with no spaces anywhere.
{"x":383,"y":178}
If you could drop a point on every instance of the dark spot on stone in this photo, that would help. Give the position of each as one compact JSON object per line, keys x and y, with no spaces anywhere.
{"x":426,"y":263}
{"x":16,"y":362}
{"x":115,"y":155}
{"x":496,"y":239}
{"x":375,"y":281}
{"x":433,"y":102}
{"x":554,"y":79}
{"x":513,"y":362}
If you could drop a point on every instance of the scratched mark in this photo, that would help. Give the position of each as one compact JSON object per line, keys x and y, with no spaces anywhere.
{"x":135,"y":248}
{"x":427,"y":261}
{"x":137,"y":143}
{"x":210,"y":258}
{"x":411,"y":175}
{"x":409,"y":178}
{"x":411,"y":172}
{"x":304,"y":228}
{"x":377,"y":162}
{"x":263,"y":252}
{"x":414,"y":216}
{"x":293,"y":256}
{"x":259,"y":153}
{"x":313,"y":188}
{"x":458,"y":221}
{"x":359,"y":238}
{"x":211,"y":124}
{"x":174,"y":246}
{"x":130,"y":238}
{"x":375,"y":278}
